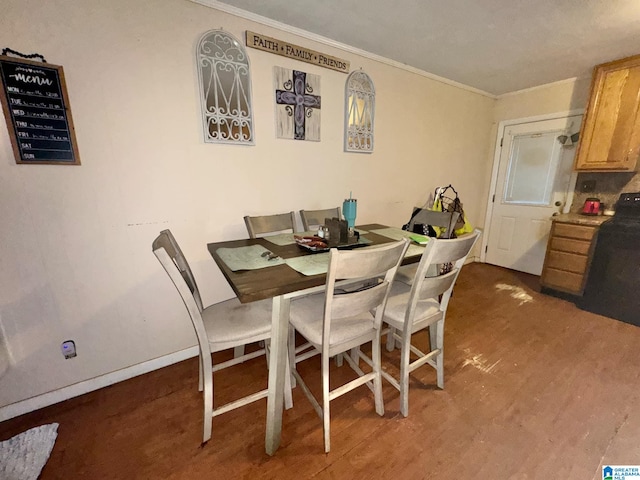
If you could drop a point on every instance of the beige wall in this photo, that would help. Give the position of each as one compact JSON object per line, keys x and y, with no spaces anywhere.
{"x":556,"y":97}
{"x":76,"y":241}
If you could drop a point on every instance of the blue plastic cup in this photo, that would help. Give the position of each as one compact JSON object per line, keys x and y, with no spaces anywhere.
{"x":349,"y":210}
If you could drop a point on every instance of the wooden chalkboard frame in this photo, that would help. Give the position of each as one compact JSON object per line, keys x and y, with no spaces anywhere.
{"x":30,"y":124}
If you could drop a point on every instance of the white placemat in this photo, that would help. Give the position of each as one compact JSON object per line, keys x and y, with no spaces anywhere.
{"x":281,"y":239}
{"x":310,"y":264}
{"x":393,"y":233}
{"x":247,"y":258}
{"x":398,"y":234}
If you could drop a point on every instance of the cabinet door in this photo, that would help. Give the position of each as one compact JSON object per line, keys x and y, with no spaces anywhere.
{"x":611,"y":130}
{"x":569,"y":253}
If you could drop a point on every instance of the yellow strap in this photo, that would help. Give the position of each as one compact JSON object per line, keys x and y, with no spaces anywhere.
{"x":466,"y":228}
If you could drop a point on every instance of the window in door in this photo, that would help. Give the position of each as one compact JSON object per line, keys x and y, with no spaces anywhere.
{"x":532,"y":166}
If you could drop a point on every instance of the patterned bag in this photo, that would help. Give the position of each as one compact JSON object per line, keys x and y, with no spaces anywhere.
{"x":448,"y":203}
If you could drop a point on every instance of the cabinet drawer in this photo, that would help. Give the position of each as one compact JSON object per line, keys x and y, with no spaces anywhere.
{"x":579,"y":232}
{"x":570,"y":245}
{"x":567,"y":261}
{"x":565,"y":281}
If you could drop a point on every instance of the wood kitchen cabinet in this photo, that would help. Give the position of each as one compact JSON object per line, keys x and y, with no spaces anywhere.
{"x":568,"y":258}
{"x":610,"y":137}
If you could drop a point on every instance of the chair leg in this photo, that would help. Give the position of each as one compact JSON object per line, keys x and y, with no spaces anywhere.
{"x":436,"y":339}
{"x":433,"y":336}
{"x":291,"y":347}
{"x":391,"y":343}
{"x":200,"y":384}
{"x":377,"y":379}
{"x":207,"y":373}
{"x":288,"y":380}
{"x":238,"y":351}
{"x":405,"y":358}
{"x":355,"y":355}
{"x":325,"y":403}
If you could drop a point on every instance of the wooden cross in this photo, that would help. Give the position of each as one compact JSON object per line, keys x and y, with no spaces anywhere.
{"x":299,"y":95}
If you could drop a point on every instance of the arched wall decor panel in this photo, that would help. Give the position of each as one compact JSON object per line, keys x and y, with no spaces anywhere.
{"x":360,"y":98}
{"x":225,"y":89}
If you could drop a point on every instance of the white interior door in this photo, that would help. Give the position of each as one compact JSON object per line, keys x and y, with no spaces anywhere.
{"x":533,"y":182}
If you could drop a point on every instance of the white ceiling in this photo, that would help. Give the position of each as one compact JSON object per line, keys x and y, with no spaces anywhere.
{"x":497,"y":46}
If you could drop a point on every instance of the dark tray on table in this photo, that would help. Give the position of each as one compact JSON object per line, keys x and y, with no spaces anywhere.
{"x":359,"y":242}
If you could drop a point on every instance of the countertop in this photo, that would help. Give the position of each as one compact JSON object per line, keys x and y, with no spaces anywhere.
{"x":579,"y":219}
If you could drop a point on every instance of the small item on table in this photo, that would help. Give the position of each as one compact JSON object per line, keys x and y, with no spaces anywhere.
{"x":339,"y":232}
{"x":313,"y":241}
{"x":323,"y":232}
{"x":349,"y":211}
{"x":269,"y":255}
{"x":419,"y":239}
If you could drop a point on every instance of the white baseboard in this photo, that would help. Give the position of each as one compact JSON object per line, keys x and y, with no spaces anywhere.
{"x":77,"y":389}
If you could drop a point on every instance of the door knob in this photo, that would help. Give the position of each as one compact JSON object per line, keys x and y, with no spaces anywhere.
{"x":558,"y":203}
{"x":555,"y":214}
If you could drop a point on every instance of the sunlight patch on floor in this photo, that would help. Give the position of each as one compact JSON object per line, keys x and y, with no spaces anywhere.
{"x":478,"y":362}
{"x":516,"y":292}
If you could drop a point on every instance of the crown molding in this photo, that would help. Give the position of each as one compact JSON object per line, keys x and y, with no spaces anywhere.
{"x":539,"y":87}
{"x":238,"y":12}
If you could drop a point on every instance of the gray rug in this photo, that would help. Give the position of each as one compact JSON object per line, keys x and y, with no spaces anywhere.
{"x":23,"y":456}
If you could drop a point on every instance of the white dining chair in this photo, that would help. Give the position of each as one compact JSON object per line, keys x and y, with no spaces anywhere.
{"x":445,"y":220}
{"x":334,"y":322}
{"x":422,"y":305}
{"x":312,"y":219}
{"x":264,"y":225}
{"x":218,"y":327}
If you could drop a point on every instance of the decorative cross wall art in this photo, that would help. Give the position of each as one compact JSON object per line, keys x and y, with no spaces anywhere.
{"x":297,"y":104}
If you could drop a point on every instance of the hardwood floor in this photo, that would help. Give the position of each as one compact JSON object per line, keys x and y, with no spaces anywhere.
{"x":534,"y":388}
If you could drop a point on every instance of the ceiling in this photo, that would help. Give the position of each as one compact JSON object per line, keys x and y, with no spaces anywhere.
{"x":496,"y":46}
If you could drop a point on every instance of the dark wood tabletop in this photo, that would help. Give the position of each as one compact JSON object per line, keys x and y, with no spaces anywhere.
{"x":253,"y":285}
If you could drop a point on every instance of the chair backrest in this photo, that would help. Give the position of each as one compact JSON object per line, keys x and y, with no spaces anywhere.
{"x":260,"y":226}
{"x":168,"y":252}
{"x":439,"y":251}
{"x":378,"y":264}
{"x":314,"y":218}
{"x":445,"y":220}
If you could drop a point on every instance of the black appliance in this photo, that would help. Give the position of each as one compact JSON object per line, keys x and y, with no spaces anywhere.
{"x":613,"y":285}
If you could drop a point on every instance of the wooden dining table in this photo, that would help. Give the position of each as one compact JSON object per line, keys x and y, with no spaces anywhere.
{"x":281,"y":283}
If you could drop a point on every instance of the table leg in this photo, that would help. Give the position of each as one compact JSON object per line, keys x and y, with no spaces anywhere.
{"x":277,"y":362}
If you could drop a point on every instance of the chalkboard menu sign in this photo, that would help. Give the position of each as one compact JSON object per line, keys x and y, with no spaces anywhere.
{"x":36,"y":107}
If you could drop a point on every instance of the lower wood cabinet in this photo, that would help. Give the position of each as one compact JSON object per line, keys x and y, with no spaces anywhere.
{"x":568,"y":258}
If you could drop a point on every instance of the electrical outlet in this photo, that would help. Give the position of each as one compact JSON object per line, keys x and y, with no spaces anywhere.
{"x":68,"y":348}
